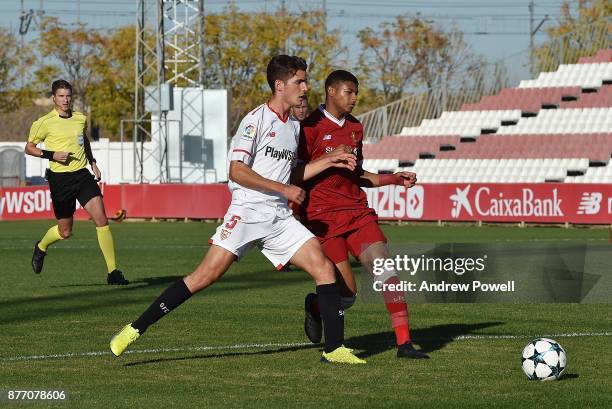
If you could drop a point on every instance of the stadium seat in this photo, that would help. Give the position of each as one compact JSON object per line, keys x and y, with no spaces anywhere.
{"x":583,"y":75}
{"x":558,"y":122}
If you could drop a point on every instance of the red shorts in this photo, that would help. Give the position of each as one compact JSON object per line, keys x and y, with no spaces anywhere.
{"x":352,"y":231}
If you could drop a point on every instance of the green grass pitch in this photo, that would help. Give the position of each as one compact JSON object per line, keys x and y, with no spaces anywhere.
{"x":240,"y":343}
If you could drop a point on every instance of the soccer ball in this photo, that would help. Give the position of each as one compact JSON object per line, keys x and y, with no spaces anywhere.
{"x":543,"y":359}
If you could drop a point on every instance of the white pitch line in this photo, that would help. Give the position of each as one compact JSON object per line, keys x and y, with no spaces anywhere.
{"x":287,"y":345}
{"x":155,"y":351}
{"x":567,"y":335}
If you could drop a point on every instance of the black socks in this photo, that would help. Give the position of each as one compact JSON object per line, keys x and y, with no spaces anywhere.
{"x":332,"y":315}
{"x":174,"y":296}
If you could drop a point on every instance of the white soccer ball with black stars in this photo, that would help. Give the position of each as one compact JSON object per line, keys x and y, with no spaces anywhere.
{"x":543,"y":359}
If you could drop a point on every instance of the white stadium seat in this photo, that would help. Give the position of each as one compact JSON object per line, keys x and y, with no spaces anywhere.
{"x":583,"y":75}
{"x":508,"y":170}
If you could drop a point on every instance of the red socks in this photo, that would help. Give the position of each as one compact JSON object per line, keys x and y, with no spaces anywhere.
{"x":398,"y":311}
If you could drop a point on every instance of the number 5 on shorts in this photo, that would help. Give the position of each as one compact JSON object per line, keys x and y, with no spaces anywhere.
{"x":232,"y":223}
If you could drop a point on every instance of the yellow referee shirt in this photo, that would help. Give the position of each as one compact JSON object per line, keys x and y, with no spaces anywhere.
{"x":62,"y":135}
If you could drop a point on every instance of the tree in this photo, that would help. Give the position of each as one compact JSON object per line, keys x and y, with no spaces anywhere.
{"x":98,"y":64}
{"x":322,"y":50}
{"x":68,"y":53}
{"x":240,"y":44}
{"x":13,"y":62}
{"x":576,"y":36}
{"x":112,"y":91}
{"x":388,"y":55}
{"x":444,"y":55}
{"x":410,"y":52}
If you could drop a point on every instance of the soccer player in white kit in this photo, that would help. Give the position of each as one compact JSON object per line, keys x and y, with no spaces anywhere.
{"x":261,"y":158}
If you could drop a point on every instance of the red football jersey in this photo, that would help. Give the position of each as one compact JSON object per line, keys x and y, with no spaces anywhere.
{"x":334,"y":189}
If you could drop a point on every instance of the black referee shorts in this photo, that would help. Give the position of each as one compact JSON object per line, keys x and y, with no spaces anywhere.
{"x":68,"y":187}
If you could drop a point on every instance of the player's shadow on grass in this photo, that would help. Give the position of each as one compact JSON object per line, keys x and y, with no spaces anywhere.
{"x":226,"y":355}
{"x":428,"y":339}
{"x":250,"y":280}
{"x":134,"y":284}
{"x":105,"y":296}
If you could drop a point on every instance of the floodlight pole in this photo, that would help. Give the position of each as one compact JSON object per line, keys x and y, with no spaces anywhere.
{"x":202,"y":20}
{"x":161,"y":79}
{"x":532,"y":33}
{"x":175,"y":56}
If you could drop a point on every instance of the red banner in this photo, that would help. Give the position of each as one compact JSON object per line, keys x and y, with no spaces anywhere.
{"x":139,"y":201}
{"x":170,"y":201}
{"x":31,"y":202}
{"x":505,"y":202}
{"x":535,"y":203}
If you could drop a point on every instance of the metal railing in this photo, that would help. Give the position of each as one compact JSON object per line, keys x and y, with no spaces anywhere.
{"x":471,"y":86}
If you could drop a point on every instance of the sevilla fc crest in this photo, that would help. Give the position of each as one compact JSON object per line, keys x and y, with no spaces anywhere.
{"x":225,"y":234}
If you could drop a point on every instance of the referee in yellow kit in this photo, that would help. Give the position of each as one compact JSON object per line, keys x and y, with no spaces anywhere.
{"x":68,"y":150}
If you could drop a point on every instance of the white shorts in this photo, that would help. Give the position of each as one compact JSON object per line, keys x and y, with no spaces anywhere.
{"x":279,"y":234}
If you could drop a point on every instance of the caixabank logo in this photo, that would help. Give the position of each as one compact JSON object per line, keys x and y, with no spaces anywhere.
{"x":488,"y":201}
{"x":397,"y":202}
{"x":461,"y":202}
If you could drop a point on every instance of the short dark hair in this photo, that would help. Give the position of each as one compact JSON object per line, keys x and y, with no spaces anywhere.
{"x":340,"y":76}
{"x":60,"y":84}
{"x":283,"y":67}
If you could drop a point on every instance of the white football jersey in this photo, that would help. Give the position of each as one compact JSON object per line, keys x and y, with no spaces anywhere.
{"x":268,"y":145}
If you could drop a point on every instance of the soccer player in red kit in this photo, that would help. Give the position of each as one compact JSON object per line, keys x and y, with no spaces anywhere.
{"x":336,"y":209}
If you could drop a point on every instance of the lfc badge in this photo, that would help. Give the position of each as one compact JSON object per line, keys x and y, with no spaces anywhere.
{"x":225,"y":234}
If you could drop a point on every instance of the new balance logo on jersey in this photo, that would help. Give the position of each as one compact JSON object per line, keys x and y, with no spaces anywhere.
{"x":285,"y":154}
{"x":590,"y":203}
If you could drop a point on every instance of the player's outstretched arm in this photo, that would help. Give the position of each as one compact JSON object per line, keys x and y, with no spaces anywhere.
{"x":368,"y":179}
{"x":338,"y":158}
{"x":247,"y":177}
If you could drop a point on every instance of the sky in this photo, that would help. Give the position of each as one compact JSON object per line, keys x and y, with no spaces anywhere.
{"x":495,"y":29}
